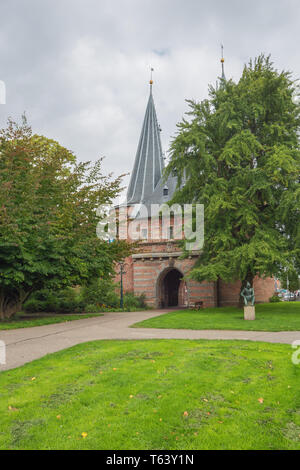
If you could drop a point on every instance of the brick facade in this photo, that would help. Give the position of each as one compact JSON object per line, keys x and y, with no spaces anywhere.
{"x":148,"y":267}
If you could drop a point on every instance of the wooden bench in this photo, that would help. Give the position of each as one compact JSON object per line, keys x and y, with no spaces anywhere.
{"x":197,"y":305}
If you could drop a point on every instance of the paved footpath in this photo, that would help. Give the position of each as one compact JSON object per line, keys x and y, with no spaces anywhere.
{"x":26,"y":344}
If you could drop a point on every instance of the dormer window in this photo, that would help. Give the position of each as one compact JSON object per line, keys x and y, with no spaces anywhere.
{"x":165,"y":191}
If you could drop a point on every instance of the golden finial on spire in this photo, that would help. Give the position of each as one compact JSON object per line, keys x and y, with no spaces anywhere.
{"x":222,"y":54}
{"x":151,"y":81}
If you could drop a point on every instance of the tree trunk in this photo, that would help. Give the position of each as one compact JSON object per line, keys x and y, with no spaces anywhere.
{"x":11,"y":302}
{"x":9,"y":307}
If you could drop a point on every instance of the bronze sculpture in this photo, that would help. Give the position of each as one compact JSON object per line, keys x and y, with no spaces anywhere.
{"x":248,"y":294}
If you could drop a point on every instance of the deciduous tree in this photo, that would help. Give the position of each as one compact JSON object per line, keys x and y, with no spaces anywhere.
{"x":48,"y":217}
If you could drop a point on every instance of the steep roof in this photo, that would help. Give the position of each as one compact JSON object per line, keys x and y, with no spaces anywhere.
{"x":149,"y":164}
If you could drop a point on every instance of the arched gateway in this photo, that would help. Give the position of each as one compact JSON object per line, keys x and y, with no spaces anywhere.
{"x":169,"y":288}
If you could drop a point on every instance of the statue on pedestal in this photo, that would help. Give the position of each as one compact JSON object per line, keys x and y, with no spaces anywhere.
{"x":248,"y":294}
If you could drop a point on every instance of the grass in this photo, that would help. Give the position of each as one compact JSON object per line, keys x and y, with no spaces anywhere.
{"x":283,"y":316}
{"x":154,"y":394}
{"x":27,"y":321}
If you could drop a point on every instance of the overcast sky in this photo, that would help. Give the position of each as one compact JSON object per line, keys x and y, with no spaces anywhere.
{"x":80,"y":68}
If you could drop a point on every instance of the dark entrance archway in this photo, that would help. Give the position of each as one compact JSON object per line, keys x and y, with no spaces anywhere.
{"x":168,"y":288}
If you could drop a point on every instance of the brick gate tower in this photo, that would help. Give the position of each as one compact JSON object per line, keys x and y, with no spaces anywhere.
{"x":156,"y":269}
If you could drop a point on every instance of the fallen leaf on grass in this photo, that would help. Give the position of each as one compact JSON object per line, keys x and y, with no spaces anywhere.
{"x":261,"y":400}
{"x":58,"y":416}
{"x":84,"y":435}
{"x":185,"y":413}
{"x":12,"y":408}
{"x":33,"y":378}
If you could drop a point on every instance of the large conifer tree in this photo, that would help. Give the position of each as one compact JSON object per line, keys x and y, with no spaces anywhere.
{"x":239,"y":154}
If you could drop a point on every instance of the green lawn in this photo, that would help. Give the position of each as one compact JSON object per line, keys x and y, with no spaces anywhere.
{"x":283,"y":316}
{"x":154,"y":394}
{"x":26,"y":321}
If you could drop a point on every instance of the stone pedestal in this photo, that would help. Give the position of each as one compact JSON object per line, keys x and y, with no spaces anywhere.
{"x":249,"y":312}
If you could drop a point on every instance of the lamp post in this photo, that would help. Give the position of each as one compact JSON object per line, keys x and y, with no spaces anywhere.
{"x":122,"y":272}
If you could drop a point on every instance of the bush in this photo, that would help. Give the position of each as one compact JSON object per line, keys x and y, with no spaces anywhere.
{"x":61,"y":301}
{"x":33,"y":306}
{"x":92,"y":308}
{"x":101,"y":293}
{"x":98,"y":296}
{"x":133,"y":302}
{"x":274,"y":299}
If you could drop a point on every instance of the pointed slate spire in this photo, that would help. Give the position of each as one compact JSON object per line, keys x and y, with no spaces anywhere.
{"x":149,"y":163}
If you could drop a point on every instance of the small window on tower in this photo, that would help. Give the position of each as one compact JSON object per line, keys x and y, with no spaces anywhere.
{"x":165,"y":191}
{"x":171,"y":232}
{"x":144,"y":234}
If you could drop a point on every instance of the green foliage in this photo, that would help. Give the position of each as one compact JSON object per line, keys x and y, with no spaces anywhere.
{"x":100,"y":295}
{"x":92,"y":308}
{"x":132,"y":301}
{"x":274,"y":299}
{"x":59,"y":301}
{"x":238,"y":153}
{"x":48,"y":218}
{"x":100,"y":292}
{"x":104,"y":295}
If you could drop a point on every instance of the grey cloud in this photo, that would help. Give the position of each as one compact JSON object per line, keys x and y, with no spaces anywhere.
{"x":80,"y":69}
